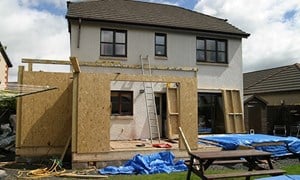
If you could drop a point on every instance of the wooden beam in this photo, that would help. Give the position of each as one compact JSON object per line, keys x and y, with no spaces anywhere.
{"x":75,"y":64}
{"x":109,"y":64}
{"x":74,"y":112}
{"x":19,"y":109}
{"x":45,"y":61}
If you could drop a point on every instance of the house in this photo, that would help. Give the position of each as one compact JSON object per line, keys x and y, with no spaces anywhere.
{"x":4,"y":65}
{"x":122,"y":31}
{"x":272,"y":99}
{"x":191,"y":63}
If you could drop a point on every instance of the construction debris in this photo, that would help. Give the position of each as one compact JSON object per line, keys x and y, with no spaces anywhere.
{"x":55,"y":170}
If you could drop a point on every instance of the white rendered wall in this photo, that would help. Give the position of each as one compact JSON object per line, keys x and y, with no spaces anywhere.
{"x":136,"y":126}
{"x":181,"y":51}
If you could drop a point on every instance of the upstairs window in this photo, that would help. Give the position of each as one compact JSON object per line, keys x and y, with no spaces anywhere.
{"x":211,"y":50}
{"x":160,"y":44}
{"x":113,"y":43}
{"x":121,"y":103}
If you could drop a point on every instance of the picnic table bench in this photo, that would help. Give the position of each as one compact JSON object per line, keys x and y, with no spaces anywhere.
{"x":200,"y":161}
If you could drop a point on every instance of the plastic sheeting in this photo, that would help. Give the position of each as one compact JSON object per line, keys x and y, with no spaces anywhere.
{"x":283,"y":177}
{"x":233,"y":141}
{"x":162,"y":162}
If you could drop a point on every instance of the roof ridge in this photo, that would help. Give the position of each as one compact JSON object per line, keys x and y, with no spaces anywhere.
{"x":267,"y":77}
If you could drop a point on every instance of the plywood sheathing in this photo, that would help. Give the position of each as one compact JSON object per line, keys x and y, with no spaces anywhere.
{"x":94,"y":108}
{"x":233,"y":113}
{"x":19,"y":108}
{"x":173,"y":111}
{"x":45,"y":117}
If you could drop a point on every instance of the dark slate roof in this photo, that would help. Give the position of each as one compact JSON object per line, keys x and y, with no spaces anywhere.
{"x":285,"y":78}
{"x":150,"y":14}
{"x":2,"y":51}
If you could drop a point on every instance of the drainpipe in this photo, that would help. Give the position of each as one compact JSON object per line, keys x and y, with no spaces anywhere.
{"x":79,"y":32}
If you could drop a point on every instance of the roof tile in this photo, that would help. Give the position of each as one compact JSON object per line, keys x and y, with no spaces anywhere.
{"x":153,"y":14}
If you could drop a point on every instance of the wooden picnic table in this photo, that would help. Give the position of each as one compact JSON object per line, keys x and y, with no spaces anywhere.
{"x":201,"y":161}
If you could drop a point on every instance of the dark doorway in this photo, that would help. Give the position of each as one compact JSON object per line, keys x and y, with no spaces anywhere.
{"x":210,"y":113}
{"x":254,"y":115}
{"x":161,"y":109}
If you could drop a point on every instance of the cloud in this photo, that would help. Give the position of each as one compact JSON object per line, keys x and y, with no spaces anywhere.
{"x":169,"y":2}
{"x":30,"y":32}
{"x":274,"y":26}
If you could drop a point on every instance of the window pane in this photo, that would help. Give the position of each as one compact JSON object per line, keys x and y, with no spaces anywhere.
{"x":221,"y":57}
{"x":125,"y":97}
{"x":221,"y":46}
{"x":106,"y":49}
{"x":160,"y":50}
{"x":126,"y":109}
{"x":211,"y":56}
{"x":159,"y":40}
{"x":120,"y":49}
{"x":120,"y":37}
{"x":107,"y":36}
{"x":115,"y":108}
{"x":200,"y":56}
{"x":114,"y":103}
{"x":211,"y":45}
{"x":200,"y":44}
{"x":126,"y":103}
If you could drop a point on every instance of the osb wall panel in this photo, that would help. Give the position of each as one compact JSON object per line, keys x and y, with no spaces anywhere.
{"x":173,"y":113}
{"x":46,"y":116}
{"x":189,"y":111}
{"x":93,"y":113}
{"x":94,"y":108}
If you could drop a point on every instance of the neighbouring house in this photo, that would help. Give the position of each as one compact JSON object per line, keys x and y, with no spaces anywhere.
{"x":189,"y":62}
{"x":272,"y":100}
{"x":4,"y":65}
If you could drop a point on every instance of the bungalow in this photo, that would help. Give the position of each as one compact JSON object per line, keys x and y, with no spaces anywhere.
{"x":272,"y":100}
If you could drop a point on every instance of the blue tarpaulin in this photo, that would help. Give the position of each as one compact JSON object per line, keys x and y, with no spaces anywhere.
{"x":162,"y":162}
{"x":282,"y":177}
{"x":233,"y":141}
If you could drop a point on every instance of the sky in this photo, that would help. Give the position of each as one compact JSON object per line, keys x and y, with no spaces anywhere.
{"x":38,"y":29}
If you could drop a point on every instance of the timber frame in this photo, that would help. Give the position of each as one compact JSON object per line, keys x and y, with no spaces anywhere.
{"x":84,"y":99}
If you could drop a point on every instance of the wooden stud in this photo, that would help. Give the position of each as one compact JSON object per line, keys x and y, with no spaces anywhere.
{"x":19,"y":109}
{"x":29,"y":66}
{"x":75,"y":111}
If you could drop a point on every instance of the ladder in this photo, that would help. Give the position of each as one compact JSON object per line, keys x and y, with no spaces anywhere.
{"x":150,"y":100}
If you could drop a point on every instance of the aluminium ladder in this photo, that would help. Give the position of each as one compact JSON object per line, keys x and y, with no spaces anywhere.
{"x":150,"y":100}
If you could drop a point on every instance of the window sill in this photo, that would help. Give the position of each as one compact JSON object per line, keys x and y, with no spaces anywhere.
{"x":116,"y":117}
{"x":160,"y":57}
{"x":105,"y":58}
{"x":212,"y":64}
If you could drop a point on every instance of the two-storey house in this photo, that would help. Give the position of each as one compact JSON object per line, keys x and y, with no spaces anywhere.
{"x":125,"y":31}
{"x":4,"y":65}
{"x":143,"y":70}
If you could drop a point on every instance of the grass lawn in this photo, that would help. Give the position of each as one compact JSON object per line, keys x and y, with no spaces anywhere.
{"x":292,"y":169}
